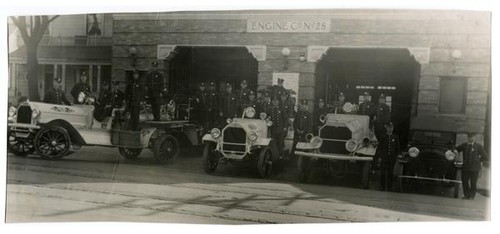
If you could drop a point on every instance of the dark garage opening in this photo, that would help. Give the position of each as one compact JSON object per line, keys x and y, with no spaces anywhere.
{"x":353,"y":71}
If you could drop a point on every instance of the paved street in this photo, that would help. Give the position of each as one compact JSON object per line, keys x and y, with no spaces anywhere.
{"x":97,"y":184}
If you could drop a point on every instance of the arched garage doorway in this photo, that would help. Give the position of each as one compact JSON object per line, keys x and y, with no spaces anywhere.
{"x":393,"y":72}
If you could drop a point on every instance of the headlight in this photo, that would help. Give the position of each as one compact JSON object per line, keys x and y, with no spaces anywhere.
{"x":35,"y":113}
{"x":322,"y":118}
{"x":351,"y":145}
{"x":449,"y":155}
{"x":81,"y":96}
{"x":215,"y":133}
{"x":413,"y":152}
{"x":269,"y":123}
{"x":12,"y":111}
{"x":263,"y":115}
{"x":229,"y":120}
{"x":252,"y":136}
{"x":349,"y":107}
{"x":316,"y":142}
{"x":250,"y":112}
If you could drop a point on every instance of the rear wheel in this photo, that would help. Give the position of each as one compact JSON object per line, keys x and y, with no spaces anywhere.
{"x":166,"y":149}
{"x":129,"y":153}
{"x":52,"y":142}
{"x":210,"y":158}
{"x":303,"y":169}
{"x":19,"y":146}
{"x":265,"y":163}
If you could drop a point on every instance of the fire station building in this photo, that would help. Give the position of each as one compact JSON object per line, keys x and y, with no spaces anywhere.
{"x":433,"y":67}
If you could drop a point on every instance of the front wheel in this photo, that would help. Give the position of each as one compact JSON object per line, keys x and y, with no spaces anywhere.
{"x":19,"y":146}
{"x":210,"y":158}
{"x":265,"y":163}
{"x":129,"y":153}
{"x":166,"y":149}
{"x":52,"y":142}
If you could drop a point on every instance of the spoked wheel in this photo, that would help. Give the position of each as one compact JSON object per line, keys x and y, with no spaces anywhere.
{"x":52,"y":142}
{"x":303,"y":169}
{"x":265,"y":163}
{"x":166,"y":149}
{"x":129,"y":153}
{"x":19,"y":146}
{"x":210,"y":158}
{"x":365,"y":175}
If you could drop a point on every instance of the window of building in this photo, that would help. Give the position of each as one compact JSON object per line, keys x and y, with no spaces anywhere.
{"x":94,"y":24}
{"x":452,"y":95}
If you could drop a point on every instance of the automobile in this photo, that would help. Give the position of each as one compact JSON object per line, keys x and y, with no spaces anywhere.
{"x":429,"y":158}
{"x":242,"y":139}
{"x":344,"y":145}
{"x":52,"y":130}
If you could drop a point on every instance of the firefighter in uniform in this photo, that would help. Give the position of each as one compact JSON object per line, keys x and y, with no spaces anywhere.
{"x":134,"y":95}
{"x":242,"y":95}
{"x":212,"y":105}
{"x":266,"y":104}
{"x":56,"y":95}
{"x":382,"y":116}
{"x":473,"y":155}
{"x":319,"y":113}
{"x":302,"y":124}
{"x":251,"y":102}
{"x":201,"y":109}
{"x":228,"y":104}
{"x":386,"y":155}
{"x":278,"y":129}
{"x":154,"y":86}
{"x":109,"y":98}
{"x":366,"y":108}
{"x":80,"y":87}
{"x":277,"y":89}
{"x":339,"y":104}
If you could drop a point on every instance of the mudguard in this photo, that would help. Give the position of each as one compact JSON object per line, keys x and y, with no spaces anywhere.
{"x":146,"y":134}
{"x":208,"y":137}
{"x":262,"y":142}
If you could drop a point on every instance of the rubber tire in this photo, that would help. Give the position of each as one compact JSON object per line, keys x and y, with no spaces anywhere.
{"x":303,"y":169}
{"x":157,"y":148}
{"x":206,"y":158}
{"x":66,"y":139}
{"x":265,"y":157}
{"x":365,"y":175}
{"x":18,"y":153}
{"x":130,"y":153}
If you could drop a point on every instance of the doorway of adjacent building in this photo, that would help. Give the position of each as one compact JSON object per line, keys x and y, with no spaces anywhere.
{"x":195,"y":64}
{"x":353,"y":71}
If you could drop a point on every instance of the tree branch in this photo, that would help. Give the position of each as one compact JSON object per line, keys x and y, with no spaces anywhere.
{"x":20,"y":23}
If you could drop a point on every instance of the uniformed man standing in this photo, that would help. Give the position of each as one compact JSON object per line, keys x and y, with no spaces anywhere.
{"x":266,"y":104}
{"x":228,"y":104}
{"x":134,"y":96}
{"x":201,"y":109}
{"x":154,"y":86}
{"x":366,"y":108}
{"x":339,"y":104}
{"x":473,"y":155}
{"x":278,"y":129}
{"x":80,"y":87}
{"x":212,"y":105}
{"x":251,"y":102}
{"x":56,"y":95}
{"x":278,"y":88}
{"x":319,"y":114}
{"x":382,"y":116}
{"x":302,"y":124}
{"x":386,"y":155}
{"x":242,"y":95}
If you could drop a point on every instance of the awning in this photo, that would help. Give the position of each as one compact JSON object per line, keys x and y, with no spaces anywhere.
{"x":66,"y":55}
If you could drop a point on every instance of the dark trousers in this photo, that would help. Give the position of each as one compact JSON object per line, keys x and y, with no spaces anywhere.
{"x":212,"y":118}
{"x":135,"y":110}
{"x":379,"y":131}
{"x":386,"y":175}
{"x":469,"y":182}
{"x":279,"y":136}
{"x":155,"y":105}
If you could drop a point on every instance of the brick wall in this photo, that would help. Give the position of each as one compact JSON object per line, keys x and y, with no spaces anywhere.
{"x":441,"y":31}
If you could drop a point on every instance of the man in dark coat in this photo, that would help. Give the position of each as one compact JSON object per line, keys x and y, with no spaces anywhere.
{"x":386,"y":155}
{"x":302,"y":124}
{"x":278,"y":88}
{"x":212,"y":105}
{"x":242,"y":95}
{"x":251,"y":102}
{"x":134,"y":95}
{"x":266,"y":104}
{"x":473,"y":155}
{"x":80,"y":87}
{"x":278,"y":129}
{"x":56,"y":95}
{"x":201,"y":104}
{"x":366,"y":108}
{"x":339,"y":104}
{"x":228,"y":104}
{"x":154,"y":86}
{"x":320,"y":112}
{"x":382,"y":116}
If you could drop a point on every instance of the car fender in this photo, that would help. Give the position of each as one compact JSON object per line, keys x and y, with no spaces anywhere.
{"x":74,"y":135}
{"x":146,"y":134}
{"x":262,"y":142}
{"x":208,"y":137}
